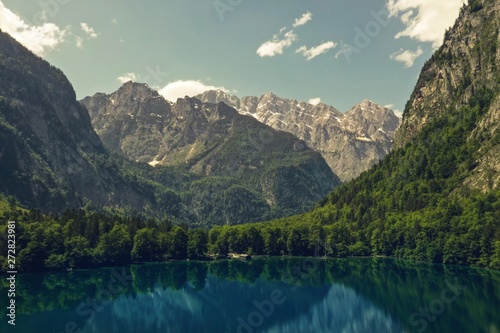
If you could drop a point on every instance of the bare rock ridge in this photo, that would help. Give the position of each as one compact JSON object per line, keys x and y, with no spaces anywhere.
{"x":350,"y":142}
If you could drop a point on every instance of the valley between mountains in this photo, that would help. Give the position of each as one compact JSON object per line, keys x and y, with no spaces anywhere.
{"x":130,"y":176}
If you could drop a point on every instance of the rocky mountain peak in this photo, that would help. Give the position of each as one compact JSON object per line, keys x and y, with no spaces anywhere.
{"x":188,"y":103}
{"x":269,"y":95}
{"x":213,"y":95}
{"x":372,"y":119}
{"x":192,"y":107}
{"x":369,"y":107}
{"x":216,"y":96}
{"x":367,"y":103}
{"x":137,"y":89}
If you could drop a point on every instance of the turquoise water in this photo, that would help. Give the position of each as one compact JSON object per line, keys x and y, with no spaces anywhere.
{"x":262,"y":295}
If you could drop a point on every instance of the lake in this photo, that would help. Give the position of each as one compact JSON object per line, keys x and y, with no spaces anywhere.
{"x":274,"y":295}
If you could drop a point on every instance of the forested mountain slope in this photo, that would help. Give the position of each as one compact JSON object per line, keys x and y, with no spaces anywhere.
{"x":464,"y":74}
{"x":437,"y":197}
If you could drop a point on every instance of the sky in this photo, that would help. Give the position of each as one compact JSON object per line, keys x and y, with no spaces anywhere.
{"x":338,"y":52}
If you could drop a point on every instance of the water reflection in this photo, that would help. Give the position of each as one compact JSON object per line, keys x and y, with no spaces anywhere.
{"x":228,"y":307}
{"x":265,"y":295}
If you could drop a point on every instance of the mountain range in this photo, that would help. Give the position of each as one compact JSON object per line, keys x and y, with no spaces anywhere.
{"x":243,"y":158}
{"x":197,"y":160}
{"x":350,"y":142}
{"x":214,"y":165}
{"x":218,"y":160}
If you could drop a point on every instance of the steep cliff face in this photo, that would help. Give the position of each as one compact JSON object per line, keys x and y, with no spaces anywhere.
{"x":464,"y":72}
{"x":50,"y":156}
{"x":350,"y":143}
{"x":211,"y":140}
{"x":463,"y":67}
{"x":46,"y":136}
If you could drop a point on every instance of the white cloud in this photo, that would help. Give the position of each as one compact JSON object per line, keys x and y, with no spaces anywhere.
{"x":315,"y":101}
{"x":127,"y":77}
{"x":425,"y":20}
{"x":407,"y":57}
{"x":313,"y":52}
{"x":396,"y":112}
{"x":277,"y":45}
{"x":91,"y":34}
{"x":38,"y":39}
{"x":179,"y":89}
{"x":114,"y":20}
{"x":306,"y":17}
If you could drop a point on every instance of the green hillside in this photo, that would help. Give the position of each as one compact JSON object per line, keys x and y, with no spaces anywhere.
{"x":437,"y":197}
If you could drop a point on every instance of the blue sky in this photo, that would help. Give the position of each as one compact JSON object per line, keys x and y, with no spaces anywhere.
{"x":338,"y":51}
